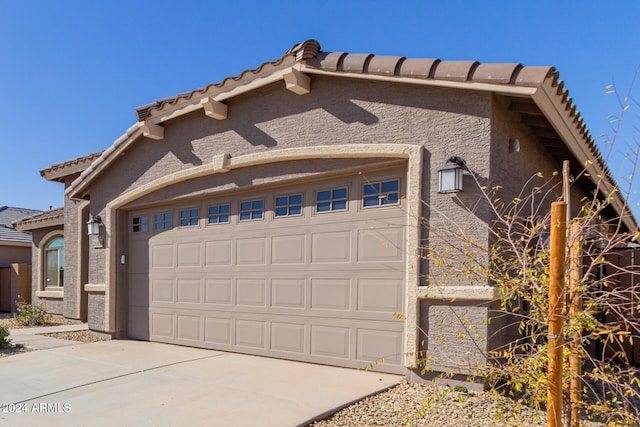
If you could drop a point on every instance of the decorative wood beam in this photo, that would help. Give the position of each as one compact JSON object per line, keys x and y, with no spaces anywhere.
{"x":298,"y":82}
{"x":151,"y":130}
{"x":214,"y":109}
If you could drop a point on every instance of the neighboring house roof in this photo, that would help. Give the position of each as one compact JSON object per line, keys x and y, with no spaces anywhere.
{"x":8,"y":215}
{"x":44,"y":219}
{"x":536,"y":93}
{"x":59,"y":171}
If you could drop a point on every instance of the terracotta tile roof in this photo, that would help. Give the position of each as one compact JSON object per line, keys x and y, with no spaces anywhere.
{"x":540,"y":85}
{"x":396,"y":66}
{"x":41,"y":219}
{"x":301,"y":51}
{"x":58,"y":171}
{"x":8,"y":216}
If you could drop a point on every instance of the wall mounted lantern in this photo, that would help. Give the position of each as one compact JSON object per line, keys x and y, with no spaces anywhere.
{"x":450,"y":176}
{"x":93,"y":226}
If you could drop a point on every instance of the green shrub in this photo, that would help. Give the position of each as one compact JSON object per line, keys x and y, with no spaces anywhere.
{"x":5,"y":341}
{"x":32,"y":314}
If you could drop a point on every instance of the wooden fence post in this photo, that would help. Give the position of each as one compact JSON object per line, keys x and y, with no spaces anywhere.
{"x":556,"y":312}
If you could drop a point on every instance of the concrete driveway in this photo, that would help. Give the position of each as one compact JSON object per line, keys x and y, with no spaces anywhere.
{"x":129,"y":383}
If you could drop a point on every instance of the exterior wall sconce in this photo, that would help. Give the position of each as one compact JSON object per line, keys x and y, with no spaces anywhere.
{"x":93,"y":226}
{"x":450,"y":176}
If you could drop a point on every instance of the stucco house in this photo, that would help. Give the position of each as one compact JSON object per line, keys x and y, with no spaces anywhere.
{"x":280,"y":212}
{"x":15,"y":258}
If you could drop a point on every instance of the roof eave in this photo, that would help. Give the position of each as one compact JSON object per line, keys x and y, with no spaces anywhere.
{"x":37,"y":224}
{"x":15,"y":243}
{"x":60,"y":171}
{"x":564,"y":125}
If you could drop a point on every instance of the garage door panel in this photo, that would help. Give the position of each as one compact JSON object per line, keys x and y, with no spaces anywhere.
{"x":330,"y":341}
{"x":218,"y":330}
{"x":162,"y":325}
{"x":162,"y":290}
{"x":189,"y":328}
{"x":218,"y":253}
{"x":189,"y":291}
{"x":380,"y":244}
{"x":218,"y":291}
{"x":382,"y":346}
{"x":162,"y":256}
{"x":288,"y":293}
{"x":251,"y":292}
{"x":288,"y":249}
{"x":331,"y":294}
{"x":250,"y":333}
{"x":251,"y":251}
{"x":331,"y":247}
{"x":380,"y":295}
{"x":288,"y":337}
{"x":189,"y":254}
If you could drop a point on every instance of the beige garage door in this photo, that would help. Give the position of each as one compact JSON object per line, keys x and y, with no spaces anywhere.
{"x":311,"y":272}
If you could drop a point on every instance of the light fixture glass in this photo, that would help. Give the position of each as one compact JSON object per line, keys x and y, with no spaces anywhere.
{"x":450,"y":176}
{"x":93,"y":226}
{"x":514,"y":145}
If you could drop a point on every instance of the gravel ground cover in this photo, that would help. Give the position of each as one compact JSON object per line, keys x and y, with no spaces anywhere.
{"x":55,"y":320}
{"x":79,"y":336}
{"x":430,"y":405}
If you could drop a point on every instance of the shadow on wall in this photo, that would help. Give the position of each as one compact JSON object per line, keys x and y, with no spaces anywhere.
{"x":272,"y":116}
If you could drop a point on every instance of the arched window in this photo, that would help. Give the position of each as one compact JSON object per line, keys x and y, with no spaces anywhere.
{"x":54,"y":263}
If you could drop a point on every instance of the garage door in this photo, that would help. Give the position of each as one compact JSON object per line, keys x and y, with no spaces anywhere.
{"x":311,"y":272}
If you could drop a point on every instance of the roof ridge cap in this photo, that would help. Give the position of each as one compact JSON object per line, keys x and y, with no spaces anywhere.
{"x":307,"y":49}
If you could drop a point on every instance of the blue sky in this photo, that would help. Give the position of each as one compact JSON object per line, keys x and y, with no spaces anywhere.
{"x":72,"y":72}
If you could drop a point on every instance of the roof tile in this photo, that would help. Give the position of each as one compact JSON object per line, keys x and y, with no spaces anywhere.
{"x":495,"y":73}
{"x":384,"y":65}
{"x":356,"y":62}
{"x":418,"y":68}
{"x":330,"y":61}
{"x":455,"y":70}
{"x":535,"y":75}
{"x":8,"y":234}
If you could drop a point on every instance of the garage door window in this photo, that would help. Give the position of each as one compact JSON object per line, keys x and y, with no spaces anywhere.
{"x":140,"y":224}
{"x":381,"y":193}
{"x":219,"y":214}
{"x":289,"y":205}
{"x":189,"y":217}
{"x":164,"y":221}
{"x":331,"y":200}
{"x":251,"y":210}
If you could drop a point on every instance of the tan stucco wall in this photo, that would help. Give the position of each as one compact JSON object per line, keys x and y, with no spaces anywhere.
{"x":14,"y":254}
{"x":75,"y":255}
